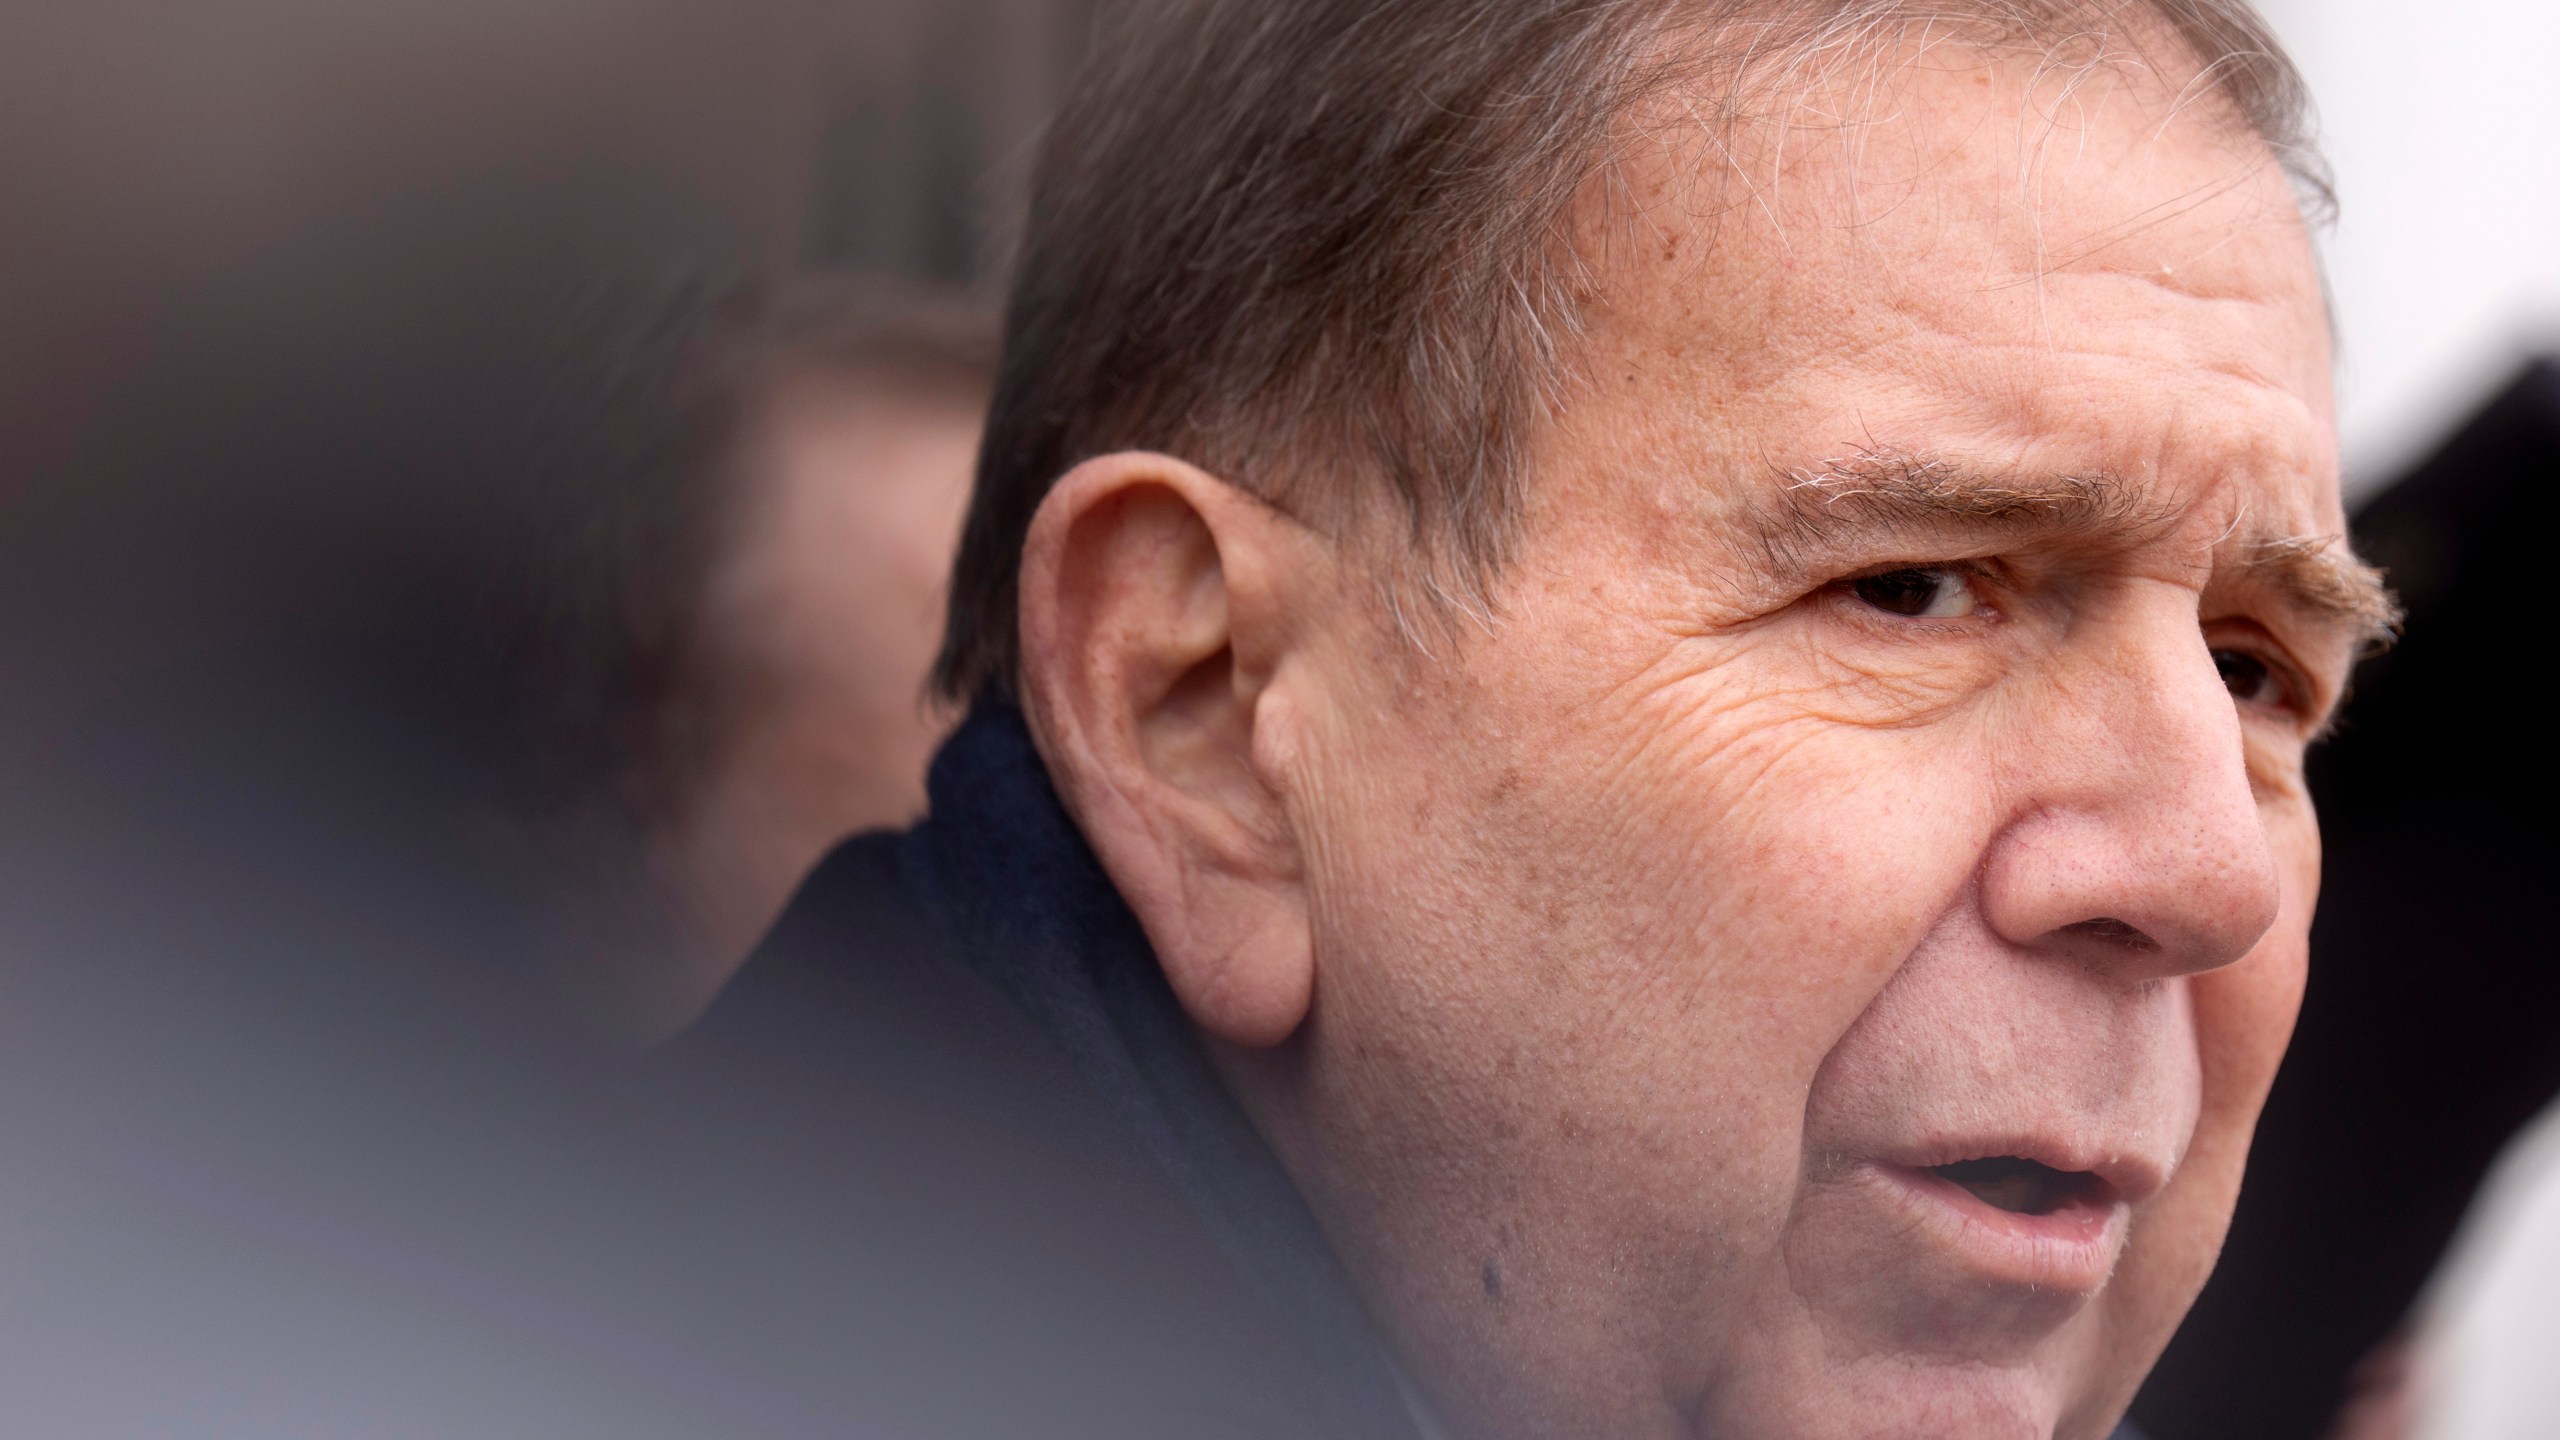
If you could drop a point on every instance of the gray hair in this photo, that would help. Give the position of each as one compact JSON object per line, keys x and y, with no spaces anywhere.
{"x":1312,"y":245}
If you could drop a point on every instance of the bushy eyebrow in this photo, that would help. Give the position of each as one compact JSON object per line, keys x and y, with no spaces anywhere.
{"x":1884,"y":491}
{"x":2314,"y":576}
{"x":2322,"y":580}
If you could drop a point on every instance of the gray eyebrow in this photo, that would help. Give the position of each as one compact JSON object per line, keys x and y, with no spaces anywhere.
{"x":2321,"y":578}
{"x":1890,"y":490}
{"x":2316,"y":576}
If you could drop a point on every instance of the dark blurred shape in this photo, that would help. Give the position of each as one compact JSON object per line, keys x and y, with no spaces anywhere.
{"x":961,"y":1167}
{"x":2432,"y":1027}
{"x":331,"y":342}
{"x":926,"y":141}
{"x":296,"y":299}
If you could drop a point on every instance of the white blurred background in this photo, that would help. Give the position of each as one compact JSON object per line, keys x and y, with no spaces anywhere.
{"x":2443,"y":122}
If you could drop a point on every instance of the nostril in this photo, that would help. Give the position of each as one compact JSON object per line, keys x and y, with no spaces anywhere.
{"x":2108,"y":930}
{"x":2125,"y":892}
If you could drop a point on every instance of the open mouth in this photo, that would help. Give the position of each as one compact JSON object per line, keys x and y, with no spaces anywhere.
{"x":2021,"y":1186}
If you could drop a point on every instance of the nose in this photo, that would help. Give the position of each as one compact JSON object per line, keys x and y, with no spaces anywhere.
{"x":2138,"y":844}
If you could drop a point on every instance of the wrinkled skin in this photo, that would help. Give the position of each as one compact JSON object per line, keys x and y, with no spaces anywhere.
{"x":1610,"y":973}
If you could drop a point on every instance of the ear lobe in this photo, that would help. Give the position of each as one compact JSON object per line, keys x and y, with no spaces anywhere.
{"x":1152,"y":620}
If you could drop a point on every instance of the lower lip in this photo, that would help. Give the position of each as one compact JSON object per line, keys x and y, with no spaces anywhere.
{"x":2071,"y":1248}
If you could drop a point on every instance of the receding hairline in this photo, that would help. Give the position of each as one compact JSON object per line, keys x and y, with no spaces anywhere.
{"x":1779,"y":90}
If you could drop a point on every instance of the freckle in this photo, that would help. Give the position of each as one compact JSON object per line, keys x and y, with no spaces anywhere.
{"x":1492,"y":1281}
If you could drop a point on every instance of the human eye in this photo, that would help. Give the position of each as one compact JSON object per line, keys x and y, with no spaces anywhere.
{"x":2259,"y":680}
{"x":2250,"y":680}
{"x":1919,"y":592}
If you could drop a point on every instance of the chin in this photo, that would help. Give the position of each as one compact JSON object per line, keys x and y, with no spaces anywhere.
{"x":1885,"y":1398}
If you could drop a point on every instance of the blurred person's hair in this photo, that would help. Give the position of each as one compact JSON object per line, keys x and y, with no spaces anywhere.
{"x":632,"y":697}
{"x":1321,"y":247}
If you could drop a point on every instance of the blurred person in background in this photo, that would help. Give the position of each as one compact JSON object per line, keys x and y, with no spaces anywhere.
{"x":1562,"y":604}
{"x":748,"y":686}
{"x":339,"y":346}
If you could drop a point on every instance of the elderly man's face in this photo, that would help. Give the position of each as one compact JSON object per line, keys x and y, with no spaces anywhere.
{"x":1811,"y":964}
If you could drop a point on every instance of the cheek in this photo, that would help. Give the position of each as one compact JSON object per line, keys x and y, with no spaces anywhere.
{"x":1592,"y":943}
{"x":2245,"y":1012}
{"x":1689,"y":854}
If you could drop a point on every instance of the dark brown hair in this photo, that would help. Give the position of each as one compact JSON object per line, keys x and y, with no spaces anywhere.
{"x":1314,"y":245}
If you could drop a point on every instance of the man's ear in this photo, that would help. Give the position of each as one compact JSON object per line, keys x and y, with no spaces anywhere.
{"x":1157,"y":604}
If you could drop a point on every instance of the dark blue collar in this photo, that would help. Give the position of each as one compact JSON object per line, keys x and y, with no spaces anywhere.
{"x":1034,"y":913}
